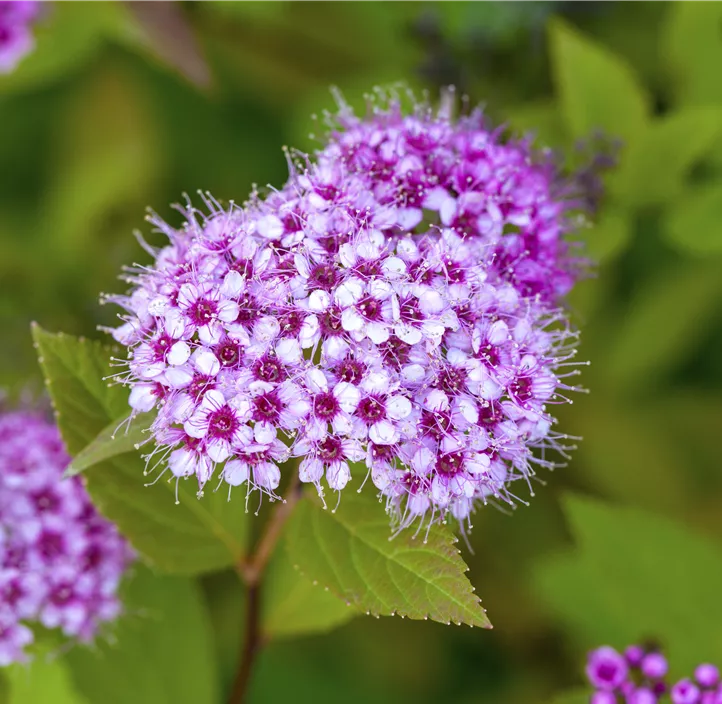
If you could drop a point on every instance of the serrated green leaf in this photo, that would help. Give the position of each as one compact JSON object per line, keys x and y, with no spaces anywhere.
{"x":597,"y":89}
{"x":637,"y":575}
{"x":191,"y":537}
{"x":662,"y":324}
{"x":350,"y":551}
{"x":691,"y":44}
{"x":294,"y":606}
{"x":76,"y":370}
{"x":160,"y":651}
{"x":678,"y":141}
{"x":121,"y":436}
{"x":694,"y":222}
{"x":46,"y":679}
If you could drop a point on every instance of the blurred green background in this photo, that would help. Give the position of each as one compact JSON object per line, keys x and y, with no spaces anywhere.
{"x":123,"y":107}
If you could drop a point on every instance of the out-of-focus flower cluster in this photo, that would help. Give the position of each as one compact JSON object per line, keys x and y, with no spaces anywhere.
{"x":395,"y":304}
{"x":60,"y":561}
{"x":16,"y":35}
{"x":639,"y":676}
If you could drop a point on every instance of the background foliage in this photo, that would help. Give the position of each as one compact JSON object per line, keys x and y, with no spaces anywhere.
{"x":119,"y":109}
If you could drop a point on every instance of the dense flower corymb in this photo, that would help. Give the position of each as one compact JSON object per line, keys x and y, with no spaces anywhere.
{"x":16,"y":37}
{"x":60,"y":562}
{"x":638,"y":676}
{"x":395,"y":304}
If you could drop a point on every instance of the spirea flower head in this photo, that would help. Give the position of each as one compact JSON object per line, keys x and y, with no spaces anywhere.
{"x":16,"y":37}
{"x":60,"y":562}
{"x":638,"y":676}
{"x":392,"y":310}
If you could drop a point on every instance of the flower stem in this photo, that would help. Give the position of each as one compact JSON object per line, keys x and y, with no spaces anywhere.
{"x":251,"y":572}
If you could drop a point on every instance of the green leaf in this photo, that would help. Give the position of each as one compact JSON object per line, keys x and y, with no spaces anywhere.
{"x":694,"y":222}
{"x":46,"y":679}
{"x":294,"y":606}
{"x":637,"y":575}
{"x":75,"y":371}
{"x":350,"y":552}
{"x":194,"y":536}
{"x":692,"y":46}
{"x":121,"y":436}
{"x":677,"y":141}
{"x":597,"y":89}
{"x":662,"y":324}
{"x":160,"y":651}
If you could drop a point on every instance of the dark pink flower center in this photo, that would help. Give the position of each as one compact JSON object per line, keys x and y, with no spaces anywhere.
{"x":371,"y":409}
{"x":409,"y":311}
{"x":323,"y":276}
{"x":325,"y":406}
{"x":290,"y":324}
{"x":382,"y":453}
{"x":267,"y":407}
{"x":368,"y":268}
{"x":370,"y":308}
{"x":521,"y":387}
{"x":414,"y":483}
{"x":450,"y":464}
{"x":222,"y":423}
{"x":436,"y":424}
{"x":50,"y":544}
{"x":489,"y":354}
{"x":350,"y":371}
{"x":161,"y":346}
{"x":490,"y":414}
{"x":200,"y":385}
{"x":202,"y":311}
{"x":452,"y":380}
{"x":330,"y":323}
{"x":268,"y":369}
{"x":62,"y":595}
{"x":46,"y":501}
{"x":395,"y":352}
{"x":229,"y":353}
{"x":330,"y":450}
{"x":247,"y":309}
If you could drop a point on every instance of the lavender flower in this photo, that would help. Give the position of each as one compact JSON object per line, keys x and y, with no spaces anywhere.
{"x":395,"y":303}
{"x":16,"y":38}
{"x":638,"y":677}
{"x":60,"y":562}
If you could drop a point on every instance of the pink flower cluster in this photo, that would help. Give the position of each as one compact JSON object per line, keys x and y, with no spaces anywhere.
{"x":16,"y":37}
{"x":395,"y":305}
{"x":60,"y":562}
{"x":639,"y":676}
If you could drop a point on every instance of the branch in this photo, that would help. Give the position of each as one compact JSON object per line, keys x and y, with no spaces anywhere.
{"x":251,"y":572}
